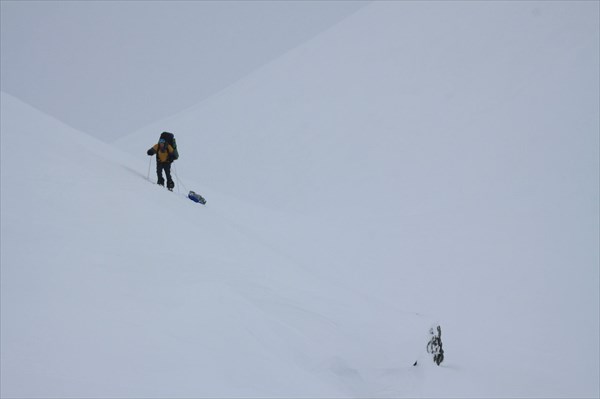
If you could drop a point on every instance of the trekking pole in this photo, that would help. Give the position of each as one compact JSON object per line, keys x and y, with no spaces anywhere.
{"x":149,"y":165}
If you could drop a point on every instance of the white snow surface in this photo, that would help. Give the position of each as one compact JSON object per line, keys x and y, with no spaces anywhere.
{"x":418,"y":163}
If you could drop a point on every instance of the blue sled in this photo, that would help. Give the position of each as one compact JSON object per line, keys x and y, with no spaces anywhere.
{"x":196,"y":198}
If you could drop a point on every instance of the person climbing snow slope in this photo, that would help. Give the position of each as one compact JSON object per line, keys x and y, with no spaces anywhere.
{"x":165,"y":155}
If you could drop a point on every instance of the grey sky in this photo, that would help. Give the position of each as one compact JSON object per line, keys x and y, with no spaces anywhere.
{"x":111,"y":67}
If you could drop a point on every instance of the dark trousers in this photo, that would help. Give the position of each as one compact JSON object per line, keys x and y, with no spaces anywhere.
{"x":166,"y":166}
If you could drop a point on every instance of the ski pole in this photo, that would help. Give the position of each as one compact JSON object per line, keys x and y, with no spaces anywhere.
{"x":149,"y":165}
{"x":177,"y":178}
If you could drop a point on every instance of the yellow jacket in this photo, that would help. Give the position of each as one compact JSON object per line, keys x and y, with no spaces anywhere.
{"x":164,"y":154}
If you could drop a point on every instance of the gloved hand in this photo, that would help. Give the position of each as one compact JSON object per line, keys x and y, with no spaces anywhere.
{"x":171,"y":157}
{"x":150,"y":151}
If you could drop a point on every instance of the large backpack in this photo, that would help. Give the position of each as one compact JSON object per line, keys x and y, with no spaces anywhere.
{"x":170,"y":139}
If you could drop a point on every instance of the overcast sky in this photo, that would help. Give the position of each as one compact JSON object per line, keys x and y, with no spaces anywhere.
{"x":111,"y":67}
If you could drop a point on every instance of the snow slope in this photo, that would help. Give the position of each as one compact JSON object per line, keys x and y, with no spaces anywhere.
{"x":443,"y":156}
{"x":114,"y":287}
